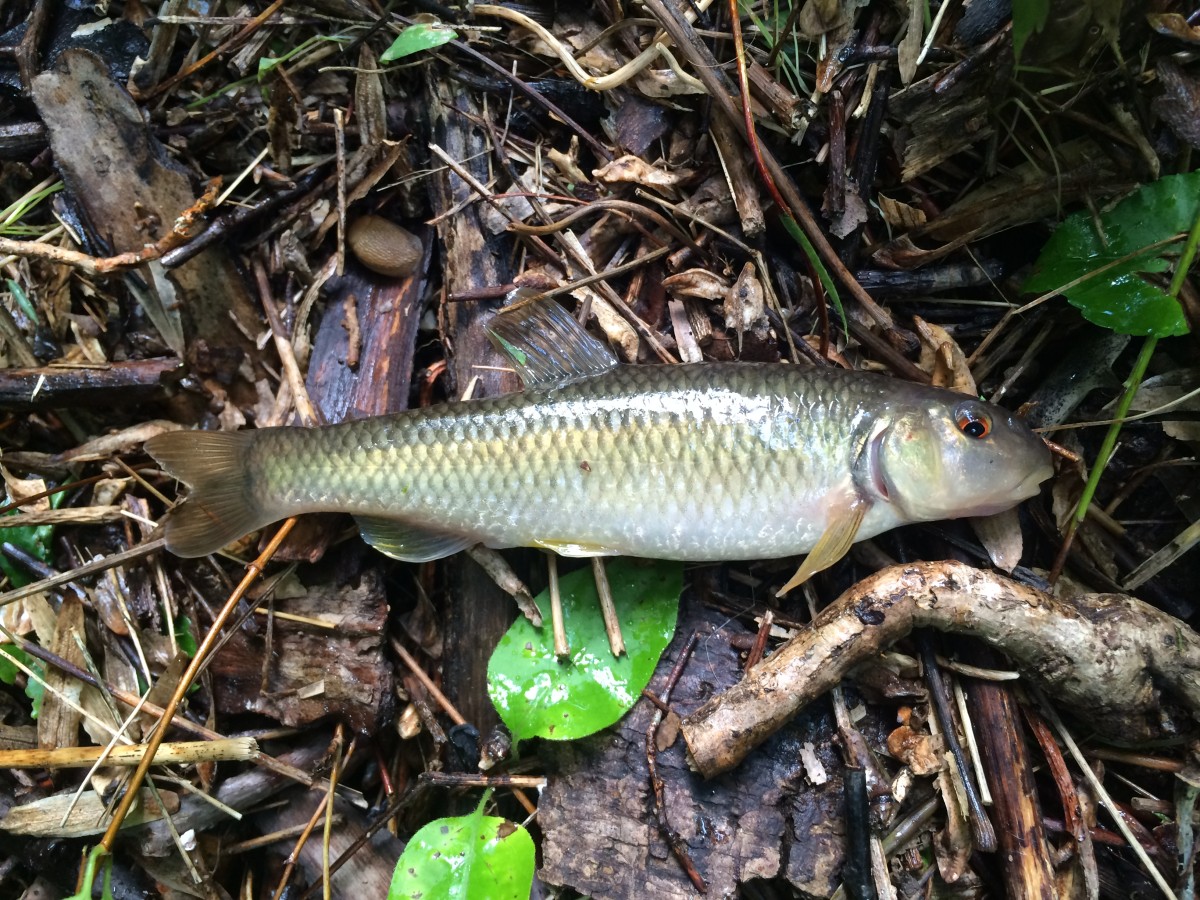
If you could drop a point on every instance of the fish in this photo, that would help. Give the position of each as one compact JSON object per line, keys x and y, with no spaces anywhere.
{"x":702,"y":462}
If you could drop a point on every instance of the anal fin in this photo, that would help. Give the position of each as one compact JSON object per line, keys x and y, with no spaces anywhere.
{"x":845,"y":517}
{"x":410,"y":543}
{"x":576,"y":549}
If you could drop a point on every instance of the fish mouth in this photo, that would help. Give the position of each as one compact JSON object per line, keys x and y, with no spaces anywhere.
{"x":1031,"y":484}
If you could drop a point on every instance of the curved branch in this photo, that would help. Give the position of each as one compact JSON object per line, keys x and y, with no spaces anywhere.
{"x":1105,"y":655}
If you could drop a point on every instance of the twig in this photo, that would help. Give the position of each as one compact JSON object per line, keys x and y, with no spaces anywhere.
{"x":253,"y":570}
{"x":443,"y":701}
{"x":562,"y":649}
{"x":283,"y":346}
{"x":674,"y":841}
{"x":1105,"y":798}
{"x":306,"y":832}
{"x":981,"y":826}
{"x":612,"y":625}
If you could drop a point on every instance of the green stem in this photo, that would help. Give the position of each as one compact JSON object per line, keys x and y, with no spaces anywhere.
{"x":1110,"y":439}
{"x":1131,"y":388}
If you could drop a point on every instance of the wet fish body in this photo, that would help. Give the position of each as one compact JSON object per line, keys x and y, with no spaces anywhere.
{"x":700,"y":462}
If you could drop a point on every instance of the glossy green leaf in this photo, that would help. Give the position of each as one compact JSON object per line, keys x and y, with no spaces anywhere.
{"x":417,"y":39}
{"x":185,"y":640}
{"x":537,"y":696}
{"x":1114,"y":293}
{"x":1028,"y":17}
{"x":463,"y":858}
{"x":8,"y":668}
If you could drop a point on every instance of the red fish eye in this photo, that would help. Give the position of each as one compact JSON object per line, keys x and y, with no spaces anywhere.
{"x":974,"y":426}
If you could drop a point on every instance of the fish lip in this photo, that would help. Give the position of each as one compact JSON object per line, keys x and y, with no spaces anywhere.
{"x":1031,"y":484}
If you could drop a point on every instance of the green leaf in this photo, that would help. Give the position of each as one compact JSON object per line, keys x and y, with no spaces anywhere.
{"x":1119,"y":297}
{"x":33,"y":539}
{"x":185,"y":640}
{"x":417,"y":39}
{"x":35,"y":688}
{"x":8,"y":669}
{"x":1028,"y":16}
{"x":537,"y":696}
{"x":465,"y":857}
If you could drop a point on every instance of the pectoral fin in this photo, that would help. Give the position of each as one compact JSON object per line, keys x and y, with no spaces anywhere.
{"x":410,"y":543}
{"x":844,"y":521}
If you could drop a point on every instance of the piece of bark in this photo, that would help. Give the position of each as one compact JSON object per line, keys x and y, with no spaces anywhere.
{"x":766,"y":821}
{"x":112,"y":385}
{"x":1024,"y":853}
{"x":1124,"y":665}
{"x":243,"y":792}
{"x":58,"y":724}
{"x":343,"y":667}
{"x":362,"y":357}
{"x":477,"y":613}
{"x":130,"y":192}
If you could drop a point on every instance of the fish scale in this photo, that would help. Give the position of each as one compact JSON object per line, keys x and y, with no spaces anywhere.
{"x":700,"y":446}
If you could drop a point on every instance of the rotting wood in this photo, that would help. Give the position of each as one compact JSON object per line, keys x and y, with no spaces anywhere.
{"x":114,"y":384}
{"x":477,"y":612}
{"x":1106,"y":655}
{"x":1024,"y":853}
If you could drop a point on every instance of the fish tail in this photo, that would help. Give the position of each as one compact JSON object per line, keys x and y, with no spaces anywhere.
{"x":221,"y":506}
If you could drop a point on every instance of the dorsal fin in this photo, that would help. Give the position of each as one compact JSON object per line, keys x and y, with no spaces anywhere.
{"x":546,"y":345}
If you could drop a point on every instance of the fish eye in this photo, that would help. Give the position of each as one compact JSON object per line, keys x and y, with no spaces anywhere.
{"x":974,"y":425}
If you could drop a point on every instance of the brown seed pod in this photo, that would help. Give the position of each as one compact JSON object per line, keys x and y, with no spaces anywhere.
{"x":383,"y":246}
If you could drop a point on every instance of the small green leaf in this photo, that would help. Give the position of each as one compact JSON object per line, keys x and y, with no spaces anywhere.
{"x":1028,"y":16}
{"x":537,"y":696}
{"x":35,"y":688}
{"x":8,"y":669}
{"x":417,"y":39}
{"x":1119,"y":297}
{"x":33,"y":539}
{"x":184,"y":639}
{"x":465,"y":857}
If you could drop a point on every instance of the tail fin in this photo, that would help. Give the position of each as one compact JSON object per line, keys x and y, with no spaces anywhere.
{"x":221,"y":507}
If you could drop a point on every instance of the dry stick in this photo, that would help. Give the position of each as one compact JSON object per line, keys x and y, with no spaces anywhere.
{"x":981,"y":826}
{"x":176,"y":753}
{"x":253,"y":570}
{"x":233,"y":42}
{"x":580,"y":259}
{"x":1106,"y":653}
{"x":306,"y":833}
{"x":678,"y":847}
{"x":612,"y":625}
{"x":102,"y":564}
{"x":339,"y":763}
{"x":719,"y":88}
{"x":133,"y":700}
{"x":283,"y":346}
{"x":562,"y":650}
{"x":1102,"y":793}
{"x":751,"y":135}
{"x":443,"y":701}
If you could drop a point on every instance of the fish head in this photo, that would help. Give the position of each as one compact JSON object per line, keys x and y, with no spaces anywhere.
{"x":951,"y":456}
